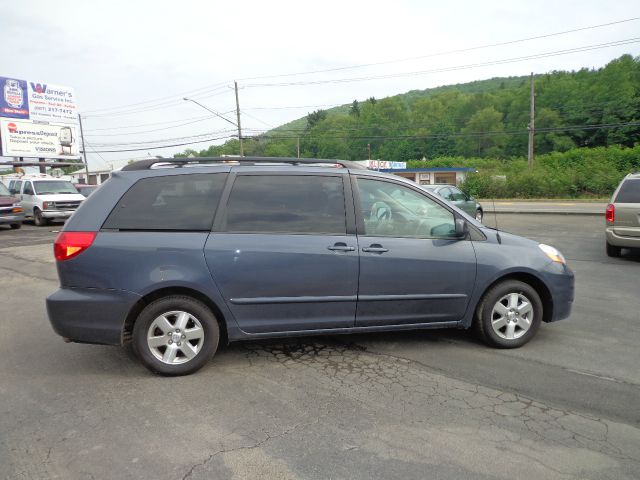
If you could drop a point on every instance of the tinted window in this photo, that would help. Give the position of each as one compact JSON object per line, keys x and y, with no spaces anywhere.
{"x":393,"y":210}
{"x":28,"y":189}
{"x":17,"y":186}
{"x":4,"y":190}
{"x":175,"y":202}
{"x":629,"y":192}
{"x":287,"y":204}
{"x":445,"y":193}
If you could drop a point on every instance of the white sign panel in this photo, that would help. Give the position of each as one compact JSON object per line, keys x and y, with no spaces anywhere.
{"x":25,"y":138}
{"x":52,"y":103}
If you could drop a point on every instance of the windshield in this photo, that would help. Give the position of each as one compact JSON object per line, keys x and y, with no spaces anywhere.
{"x":4,"y":190}
{"x":54,"y":187}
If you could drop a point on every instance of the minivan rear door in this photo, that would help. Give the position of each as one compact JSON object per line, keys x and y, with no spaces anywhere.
{"x":412,"y":267}
{"x":281,"y":252}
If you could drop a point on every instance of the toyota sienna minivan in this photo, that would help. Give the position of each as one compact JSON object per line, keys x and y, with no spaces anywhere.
{"x":180,"y":255}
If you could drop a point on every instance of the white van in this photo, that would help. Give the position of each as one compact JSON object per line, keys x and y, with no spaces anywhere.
{"x":45,"y":198}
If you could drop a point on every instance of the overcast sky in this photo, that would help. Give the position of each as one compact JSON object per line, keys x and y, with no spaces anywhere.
{"x":131,"y":62}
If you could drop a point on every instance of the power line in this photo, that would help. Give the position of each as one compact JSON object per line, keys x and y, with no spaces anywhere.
{"x":453,"y":68}
{"x":212,"y":139}
{"x":219,"y":85}
{"x":446,"y":52}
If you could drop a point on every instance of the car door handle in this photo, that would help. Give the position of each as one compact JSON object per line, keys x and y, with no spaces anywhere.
{"x":341,"y":247}
{"x":375,"y":248}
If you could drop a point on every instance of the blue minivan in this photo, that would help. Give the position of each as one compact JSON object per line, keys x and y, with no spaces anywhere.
{"x":179,"y":255}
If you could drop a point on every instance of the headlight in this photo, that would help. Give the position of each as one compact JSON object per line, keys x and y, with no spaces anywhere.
{"x":553,"y":253}
{"x":49,"y":205}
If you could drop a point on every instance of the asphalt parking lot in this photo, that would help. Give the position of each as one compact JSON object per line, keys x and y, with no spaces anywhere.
{"x":430,"y":404}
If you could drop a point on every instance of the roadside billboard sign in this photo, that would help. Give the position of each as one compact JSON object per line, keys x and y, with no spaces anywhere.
{"x":26,"y":138}
{"x":38,"y":119}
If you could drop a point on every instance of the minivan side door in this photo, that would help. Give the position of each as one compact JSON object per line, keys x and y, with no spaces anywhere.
{"x":284,"y":251}
{"x":412,"y":267}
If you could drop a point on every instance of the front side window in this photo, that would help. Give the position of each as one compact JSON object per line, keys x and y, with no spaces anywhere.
{"x":393,"y":210}
{"x":457,"y":195}
{"x":298,"y":204}
{"x":28,"y":189}
{"x":170,"y":203}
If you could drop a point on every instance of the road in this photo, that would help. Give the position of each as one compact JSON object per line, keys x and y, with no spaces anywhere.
{"x":431,"y":404}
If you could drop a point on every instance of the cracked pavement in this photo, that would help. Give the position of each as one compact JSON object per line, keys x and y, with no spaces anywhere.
{"x":404,"y":405}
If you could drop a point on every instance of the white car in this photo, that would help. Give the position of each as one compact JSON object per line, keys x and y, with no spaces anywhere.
{"x":46,"y":198}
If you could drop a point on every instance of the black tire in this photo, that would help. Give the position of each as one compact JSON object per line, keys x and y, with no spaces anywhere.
{"x":161,"y":307}
{"x":485,"y":312}
{"x":479,"y":215}
{"x":613,"y":251}
{"x":16,"y":226}
{"x":38,"y":219}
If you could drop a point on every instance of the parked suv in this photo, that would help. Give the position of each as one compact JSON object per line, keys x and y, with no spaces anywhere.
{"x":623,"y":216}
{"x":46,"y":198}
{"x":10,"y":211}
{"x":454,"y":195}
{"x":181,"y":255}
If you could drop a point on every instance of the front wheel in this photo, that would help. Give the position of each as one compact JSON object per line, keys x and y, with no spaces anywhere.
{"x":175,"y":335}
{"x":509,"y":314}
{"x":38,"y":219}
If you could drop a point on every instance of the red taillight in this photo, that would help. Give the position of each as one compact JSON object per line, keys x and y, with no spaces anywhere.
{"x":610,"y":214}
{"x":70,"y":244}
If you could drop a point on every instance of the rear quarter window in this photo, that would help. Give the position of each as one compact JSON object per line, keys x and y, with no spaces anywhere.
{"x":171,"y":203}
{"x":629,"y":192}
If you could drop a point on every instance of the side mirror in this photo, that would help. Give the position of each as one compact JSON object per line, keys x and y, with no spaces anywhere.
{"x":13,"y":191}
{"x":461,"y":228}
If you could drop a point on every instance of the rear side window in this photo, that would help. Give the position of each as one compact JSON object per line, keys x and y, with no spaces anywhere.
{"x":173,"y":203}
{"x":629,"y":192}
{"x":304,"y":204}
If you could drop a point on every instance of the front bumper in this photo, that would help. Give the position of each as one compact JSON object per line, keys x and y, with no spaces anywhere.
{"x":57,"y":213}
{"x":17,"y":218}
{"x":620,"y":241}
{"x":560,"y":281}
{"x":90,"y":315}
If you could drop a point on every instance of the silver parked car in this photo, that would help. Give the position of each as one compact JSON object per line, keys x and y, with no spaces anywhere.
{"x":623,"y":216}
{"x":457,"y":197}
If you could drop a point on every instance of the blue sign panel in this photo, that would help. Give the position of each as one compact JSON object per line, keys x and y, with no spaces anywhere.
{"x":14,"y":102}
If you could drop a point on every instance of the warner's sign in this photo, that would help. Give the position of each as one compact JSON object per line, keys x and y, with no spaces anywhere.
{"x":39,"y":111}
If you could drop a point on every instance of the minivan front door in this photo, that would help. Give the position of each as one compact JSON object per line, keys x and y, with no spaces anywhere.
{"x":281,"y":256}
{"x":412,"y":267}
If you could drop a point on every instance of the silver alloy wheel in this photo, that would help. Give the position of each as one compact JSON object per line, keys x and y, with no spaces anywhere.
{"x":512,"y":316}
{"x":175,"y":337}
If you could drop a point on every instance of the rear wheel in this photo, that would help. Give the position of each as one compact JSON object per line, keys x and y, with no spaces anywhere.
{"x":613,"y":251}
{"x":38,"y":219}
{"x":16,"y":226}
{"x":509,"y":314}
{"x":175,"y":335}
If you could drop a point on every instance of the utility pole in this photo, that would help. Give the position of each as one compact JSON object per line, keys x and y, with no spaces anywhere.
{"x":238,"y":115}
{"x":84,"y":150}
{"x":298,"y":145}
{"x":532,"y":115}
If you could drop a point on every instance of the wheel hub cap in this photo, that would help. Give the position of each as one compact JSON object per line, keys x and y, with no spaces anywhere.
{"x":175,"y":337}
{"x":511,"y":316}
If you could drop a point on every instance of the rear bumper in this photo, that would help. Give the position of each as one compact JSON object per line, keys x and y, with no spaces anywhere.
{"x":561,"y":283}
{"x":89,"y":315}
{"x":620,"y":241}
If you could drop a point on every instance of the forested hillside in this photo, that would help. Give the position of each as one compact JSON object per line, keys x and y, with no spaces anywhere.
{"x":587,"y":108}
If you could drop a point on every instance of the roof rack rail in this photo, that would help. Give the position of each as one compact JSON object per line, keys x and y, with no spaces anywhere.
{"x":180,"y":162}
